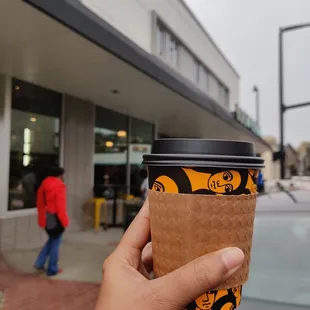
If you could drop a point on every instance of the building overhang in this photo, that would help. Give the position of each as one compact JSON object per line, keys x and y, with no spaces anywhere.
{"x":94,"y":59}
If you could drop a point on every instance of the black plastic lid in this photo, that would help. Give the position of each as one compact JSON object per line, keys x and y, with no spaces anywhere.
{"x":202,"y":152}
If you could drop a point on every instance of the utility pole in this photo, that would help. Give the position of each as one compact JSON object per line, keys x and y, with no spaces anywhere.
{"x":282,"y":107}
{"x":257,"y":103}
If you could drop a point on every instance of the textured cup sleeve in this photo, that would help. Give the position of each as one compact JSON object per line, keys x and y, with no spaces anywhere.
{"x":187,"y":226}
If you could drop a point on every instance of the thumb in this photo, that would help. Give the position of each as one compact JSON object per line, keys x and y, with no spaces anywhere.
{"x":199,"y":276}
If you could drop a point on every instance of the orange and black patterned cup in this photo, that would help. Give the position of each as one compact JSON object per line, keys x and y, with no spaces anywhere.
{"x":206,"y":167}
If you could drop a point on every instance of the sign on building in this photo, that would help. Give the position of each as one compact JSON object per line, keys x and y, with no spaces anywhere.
{"x":244,"y":119}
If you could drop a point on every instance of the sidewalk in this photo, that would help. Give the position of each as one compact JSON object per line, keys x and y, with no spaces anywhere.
{"x":82,"y":255}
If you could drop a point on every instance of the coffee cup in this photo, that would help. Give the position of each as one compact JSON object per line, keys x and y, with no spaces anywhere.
{"x":202,"y":198}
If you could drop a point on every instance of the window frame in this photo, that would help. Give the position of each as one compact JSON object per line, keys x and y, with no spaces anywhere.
{"x":196,"y":71}
{"x":27,"y":97}
{"x":161,"y":40}
{"x":207,"y":82}
{"x":226,"y":98}
{"x":174,"y":52}
{"x":195,"y":76}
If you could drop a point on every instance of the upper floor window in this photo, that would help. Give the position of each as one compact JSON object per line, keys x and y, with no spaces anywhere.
{"x":174,"y":51}
{"x":203,"y":78}
{"x":214,"y":90}
{"x":206,"y":82}
{"x":168,"y":47}
{"x":197,"y":71}
{"x":223,"y":96}
{"x":226,"y":100}
{"x":161,"y":40}
{"x":177,"y":55}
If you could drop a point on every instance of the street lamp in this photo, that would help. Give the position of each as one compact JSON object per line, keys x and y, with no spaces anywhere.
{"x":257,"y":93}
{"x":282,"y":106}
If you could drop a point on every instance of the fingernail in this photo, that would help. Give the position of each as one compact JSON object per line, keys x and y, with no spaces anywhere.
{"x":232,"y":257}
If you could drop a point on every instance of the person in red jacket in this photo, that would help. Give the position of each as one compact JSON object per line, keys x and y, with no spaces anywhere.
{"x":53,"y":217}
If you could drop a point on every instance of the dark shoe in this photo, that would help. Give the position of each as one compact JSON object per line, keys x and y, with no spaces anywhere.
{"x":40,"y":270}
{"x":55,"y":274}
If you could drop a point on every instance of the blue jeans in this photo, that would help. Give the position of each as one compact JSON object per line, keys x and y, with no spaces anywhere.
{"x":51,"y":250}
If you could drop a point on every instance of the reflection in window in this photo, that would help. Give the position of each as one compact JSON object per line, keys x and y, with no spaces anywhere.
{"x":35,"y":124}
{"x":174,"y":52}
{"x":167,"y":45}
{"x":111,"y":146}
{"x":140,"y":144}
{"x":161,"y":40}
{"x":200,"y":74}
{"x":223,"y":96}
{"x":214,"y":89}
{"x":169,"y":48}
{"x":206,"y":82}
{"x":110,"y":158}
{"x":110,"y":141}
{"x":141,"y":132}
{"x":27,"y":147}
{"x":226,"y":100}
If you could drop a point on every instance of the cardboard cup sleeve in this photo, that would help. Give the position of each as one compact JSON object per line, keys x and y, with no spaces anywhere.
{"x":187,"y":226}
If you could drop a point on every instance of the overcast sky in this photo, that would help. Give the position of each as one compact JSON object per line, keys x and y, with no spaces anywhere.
{"x":247,"y":33}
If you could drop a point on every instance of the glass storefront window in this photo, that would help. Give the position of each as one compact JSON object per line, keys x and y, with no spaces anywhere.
{"x":35,"y":127}
{"x":110,"y":158}
{"x":140,"y":143}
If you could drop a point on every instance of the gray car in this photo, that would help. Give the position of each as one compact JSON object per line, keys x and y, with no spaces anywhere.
{"x":280,"y":266}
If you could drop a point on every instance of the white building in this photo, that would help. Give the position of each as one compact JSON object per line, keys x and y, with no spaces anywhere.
{"x":81,"y":80}
{"x":304,"y":159}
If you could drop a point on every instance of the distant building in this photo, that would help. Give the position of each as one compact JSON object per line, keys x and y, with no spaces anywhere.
{"x":272,"y":167}
{"x":304,"y":158}
{"x":297,"y":161}
{"x":291,"y":161}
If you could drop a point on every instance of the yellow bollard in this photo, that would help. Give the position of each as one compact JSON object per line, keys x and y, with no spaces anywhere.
{"x":97,"y":204}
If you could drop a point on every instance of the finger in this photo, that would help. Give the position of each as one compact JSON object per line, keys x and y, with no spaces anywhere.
{"x":199,"y":276}
{"x":147,"y":257}
{"x":138,"y":233}
{"x":144,"y":272}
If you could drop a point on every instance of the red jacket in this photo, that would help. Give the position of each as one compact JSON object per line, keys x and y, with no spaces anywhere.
{"x":51,"y":197}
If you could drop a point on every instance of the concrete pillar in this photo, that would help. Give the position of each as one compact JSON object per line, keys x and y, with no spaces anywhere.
{"x":78,"y":149}
{"x":6,"y":227}
{"x":5,"y":133}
